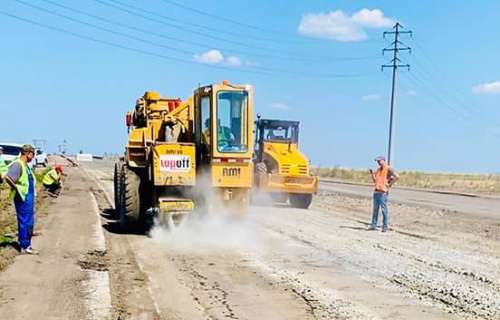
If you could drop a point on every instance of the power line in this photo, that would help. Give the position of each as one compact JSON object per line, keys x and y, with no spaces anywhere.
{"x":285,"y":54}
{"x":456,"y":94}
{"x":438,"y":98}
{"x":175,"y":49}
{"x":254,"y":70}
{"x":223,"y":31}
{"x":459,"y":113}
{"x":395,"y":64}
{"x":426,"y":78}
{"x":123,"y":7}
{"x":189,"y":42}
{"x":214,"y":16}
{"x":108,"y":43}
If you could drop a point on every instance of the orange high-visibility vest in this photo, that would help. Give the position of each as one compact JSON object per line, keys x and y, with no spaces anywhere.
{"x":381,"y":181}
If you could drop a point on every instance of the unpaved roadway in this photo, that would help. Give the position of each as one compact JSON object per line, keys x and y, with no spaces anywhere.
{"x":478,"y":205}
{"x":275,"y":263}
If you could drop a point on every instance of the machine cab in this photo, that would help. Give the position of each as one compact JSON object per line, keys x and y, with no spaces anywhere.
{"x":275,"y":131}
{"x":223,"y":133}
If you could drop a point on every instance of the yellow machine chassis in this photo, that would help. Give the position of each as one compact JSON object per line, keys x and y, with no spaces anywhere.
{"x":288,"y":184}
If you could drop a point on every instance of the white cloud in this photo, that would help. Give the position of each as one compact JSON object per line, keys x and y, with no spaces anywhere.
{"x":372,"y":19}
{"x":490,"y":87}
{"x":233,"y":61}
{"x":209,"y":57}
{"x":280,"y":106}
{"x":216,"y":57}
{"x":411,"y":92}
{"x":337,"y":25}
{"x":370,"y":97}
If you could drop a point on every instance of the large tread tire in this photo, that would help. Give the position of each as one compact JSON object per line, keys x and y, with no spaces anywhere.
{"x":117,"y":187}
{"x":279,"y":197}
{"x":300,"y":200}
{"x":130,"y":212}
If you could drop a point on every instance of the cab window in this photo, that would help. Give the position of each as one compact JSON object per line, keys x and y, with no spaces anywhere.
{"x":281,"y":133}
{"x":232,"y":114}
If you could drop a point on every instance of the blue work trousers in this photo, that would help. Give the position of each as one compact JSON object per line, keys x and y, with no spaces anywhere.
{"x":25,"y":216}
{"x":380,"y":202}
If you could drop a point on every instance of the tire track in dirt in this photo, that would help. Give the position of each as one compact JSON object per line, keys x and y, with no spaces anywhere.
{"x":130,"y":296}
{"x":217,"y":296}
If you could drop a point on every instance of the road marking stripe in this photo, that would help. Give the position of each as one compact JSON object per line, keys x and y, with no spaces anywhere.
{"x":96,"y":285}
{"x":97,"y":295}
{"x":149,"y":287}
{"x":111,"y":203}
{"x":100,"y":240}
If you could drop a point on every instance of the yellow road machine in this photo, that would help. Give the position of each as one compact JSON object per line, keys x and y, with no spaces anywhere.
{"x":280,"y":168}
{"x":183,"y":155}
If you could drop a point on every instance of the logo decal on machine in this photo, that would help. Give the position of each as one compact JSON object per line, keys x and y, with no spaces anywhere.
{"x":231,"y":172}
{"x":175,"y":163}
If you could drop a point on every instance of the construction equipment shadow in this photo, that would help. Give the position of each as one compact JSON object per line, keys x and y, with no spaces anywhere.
{"x":112,"y":224}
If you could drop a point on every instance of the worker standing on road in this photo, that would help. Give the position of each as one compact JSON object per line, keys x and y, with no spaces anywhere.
{"x":3,"y":165}
{"x":383,"y":179}
{"x":52,"y":180}
{"x":21,"y":179}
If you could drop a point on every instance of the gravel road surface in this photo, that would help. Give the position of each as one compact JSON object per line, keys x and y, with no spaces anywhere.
{"x":441,"y":260}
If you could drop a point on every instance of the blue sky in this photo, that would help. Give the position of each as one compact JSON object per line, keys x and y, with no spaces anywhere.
{"x":313,"y":61}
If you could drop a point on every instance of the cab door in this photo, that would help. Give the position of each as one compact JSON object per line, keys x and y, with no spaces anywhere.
{"x":203,"y":126}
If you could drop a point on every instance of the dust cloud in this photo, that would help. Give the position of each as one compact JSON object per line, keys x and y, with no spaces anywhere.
{"x":209,"y":232}
{"x":216,"y":227}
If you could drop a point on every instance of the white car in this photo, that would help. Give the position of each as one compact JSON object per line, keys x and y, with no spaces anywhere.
{"x":12,"y":150}
{"x":41,"y":158}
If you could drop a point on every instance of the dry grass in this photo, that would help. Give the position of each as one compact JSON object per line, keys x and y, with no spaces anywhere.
{"x":7,"y":216}
{"x":472,"y":183}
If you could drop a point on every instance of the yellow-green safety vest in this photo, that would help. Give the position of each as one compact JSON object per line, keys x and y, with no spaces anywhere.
{"x":22,"y":184}
{"x":3,"y":166}
{"x":50,"y":177}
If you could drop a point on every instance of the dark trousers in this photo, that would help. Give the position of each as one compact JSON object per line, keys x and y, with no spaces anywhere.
{"x":52,"y":188}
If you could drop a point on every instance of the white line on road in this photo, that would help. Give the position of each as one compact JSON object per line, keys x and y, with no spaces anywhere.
{"x":111,"y":203}
{"x":100,"y":241}
{"x":97,"y":295}
{"x":96,"y":285}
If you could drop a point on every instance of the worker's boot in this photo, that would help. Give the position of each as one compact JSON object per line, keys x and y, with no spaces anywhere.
{"x":29,"y":250}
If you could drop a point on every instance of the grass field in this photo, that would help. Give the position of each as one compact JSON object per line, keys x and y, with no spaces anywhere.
{"x":472,"y":183}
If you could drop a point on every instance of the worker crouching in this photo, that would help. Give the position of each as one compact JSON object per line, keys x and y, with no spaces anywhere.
{"x":52,"y":180}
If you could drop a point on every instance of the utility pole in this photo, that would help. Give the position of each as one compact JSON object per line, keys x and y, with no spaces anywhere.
{"x":40,"y":144}
{"x":395,"y":47}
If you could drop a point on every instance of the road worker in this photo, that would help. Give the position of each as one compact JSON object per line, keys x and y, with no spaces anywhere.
{"x":383,"y":180}
{"x":21,"y":179}
{"x":52,"y":180}
{"x":3,"y":165}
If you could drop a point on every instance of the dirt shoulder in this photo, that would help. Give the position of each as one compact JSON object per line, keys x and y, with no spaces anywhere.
{"x":8,"y":223}
{"x":63,"y":281}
